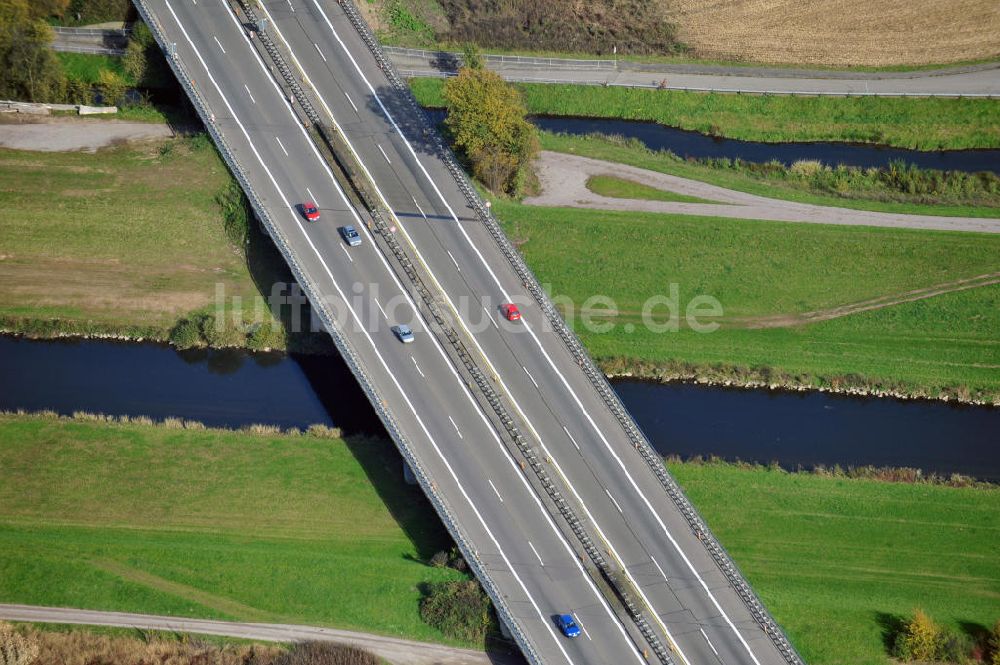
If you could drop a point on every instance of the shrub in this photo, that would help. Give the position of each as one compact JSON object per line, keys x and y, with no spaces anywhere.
{"x":266,"y":336}
{"x":440,"y":559}
{"x":16,"y":649}
{"x":235,"y":213}
{"x":919,"y":638}
{"x":806,"y":168}
{"x":994,"y":645}
{"x":110,"y":87}
{"x":459,"y":609}
{"x":186,"y":334}
{"x":326,"y":653}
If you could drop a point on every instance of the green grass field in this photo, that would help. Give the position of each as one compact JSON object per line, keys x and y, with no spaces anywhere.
{"x":622,"y":188}
{"x":87,"y":67}
{"x":613,"y":150}
{"x":759,"y":270}
{"x":303,"y":529}
{"x":214,"y":524}
{"x":925,"y":123}
{"x":126,"y":240}
{"x":836,"y":559}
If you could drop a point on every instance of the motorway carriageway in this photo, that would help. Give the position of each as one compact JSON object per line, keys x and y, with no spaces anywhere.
{"x":525,"y":552}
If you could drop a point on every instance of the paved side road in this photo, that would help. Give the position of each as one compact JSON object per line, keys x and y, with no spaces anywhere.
{"x":564,"y":184}
{"x":397,"y":651}
{"x":976,"y":80}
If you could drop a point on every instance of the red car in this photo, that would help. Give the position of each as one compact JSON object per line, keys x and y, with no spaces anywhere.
{"x":511,"y":312}
{"x":310,"y":211}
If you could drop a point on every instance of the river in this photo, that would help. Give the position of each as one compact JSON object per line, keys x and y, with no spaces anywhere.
{"x":694,"y":144}
{"x":231,"y":388}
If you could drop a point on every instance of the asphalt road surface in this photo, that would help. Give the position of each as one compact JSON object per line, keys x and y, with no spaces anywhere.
{"x":525,"y":551}
{"x":396,"y":651}
{"x":564,"y":177}
{"x":970,"y":81}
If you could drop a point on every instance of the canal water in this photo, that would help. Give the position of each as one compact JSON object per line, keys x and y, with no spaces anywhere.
{"x":694,"y":144}
{"x":230,"y":388}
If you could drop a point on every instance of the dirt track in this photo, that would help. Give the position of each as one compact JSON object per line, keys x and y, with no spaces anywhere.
{"x":563,"y":179}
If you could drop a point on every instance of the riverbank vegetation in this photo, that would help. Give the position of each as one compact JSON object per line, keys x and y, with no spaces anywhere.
{"x":857,"y":309}
{"x":899,"y":188}
{"x":187,"y":521}
{"x":919,"y":123}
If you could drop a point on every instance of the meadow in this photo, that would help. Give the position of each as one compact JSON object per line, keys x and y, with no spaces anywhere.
{"x":126,"y":241}
{"x":623,"y":188}
{"x":767,"y":276}
{"x":309,"y":529}
{"x":214,"y":524}
{"x":919,"y":123}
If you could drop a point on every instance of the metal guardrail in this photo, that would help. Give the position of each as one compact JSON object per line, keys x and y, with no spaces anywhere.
{"x":93,"y":50}
{"x":597,"y":378}
{"x":423,"y":73}
{"x":91,"y":32}
{"x":519,"y":60}
{"x":344,"y":155}
{"x":329,"y":321}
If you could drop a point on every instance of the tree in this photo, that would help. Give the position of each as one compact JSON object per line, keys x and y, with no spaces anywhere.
{"x":488,"y":122}
{"x":29,"y":70}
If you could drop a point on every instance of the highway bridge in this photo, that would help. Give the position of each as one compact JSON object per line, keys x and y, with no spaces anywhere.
{"x":554,"y":496}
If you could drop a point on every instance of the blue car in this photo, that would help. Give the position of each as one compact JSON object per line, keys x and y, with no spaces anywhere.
{"x":568,"y":626}
{"x":350,"y":235}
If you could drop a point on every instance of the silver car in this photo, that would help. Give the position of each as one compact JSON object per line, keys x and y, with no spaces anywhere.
{"x":403,"y":332}
{"x":350,"y":235}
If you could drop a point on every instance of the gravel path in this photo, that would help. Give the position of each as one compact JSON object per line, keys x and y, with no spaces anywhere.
{"x":563,"y":179}
{"x":397,"y":651}
{"x":60,"y":134}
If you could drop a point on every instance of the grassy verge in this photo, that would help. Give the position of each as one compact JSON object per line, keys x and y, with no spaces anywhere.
{"x":87,"y":67}
{"x":623,"y":188}
{"x":920,"y":123}
{"x":214,"y":523}
{"x":858,"y":194}
{"x":132,"y":241}
{"x":313,"y":530}
{"x":763,"y":271}
{"x":838,"y":560}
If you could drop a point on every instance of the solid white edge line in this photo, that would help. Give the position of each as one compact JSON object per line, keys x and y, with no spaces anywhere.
{"x":385,"y":366}
{"x":468,"y":394}
{"x":537,"y":341}
{"x":430,"y":180}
